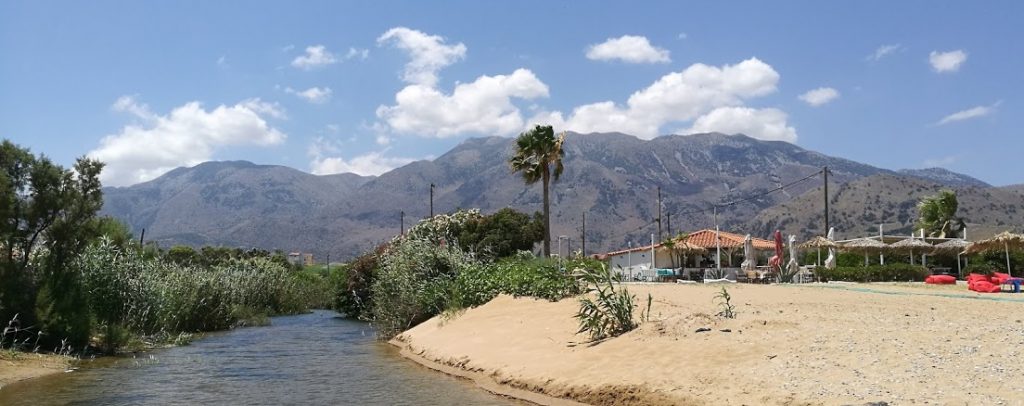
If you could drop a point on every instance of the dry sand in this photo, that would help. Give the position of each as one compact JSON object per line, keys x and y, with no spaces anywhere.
{"x":790,"y":345}
{"x":19,"y":366}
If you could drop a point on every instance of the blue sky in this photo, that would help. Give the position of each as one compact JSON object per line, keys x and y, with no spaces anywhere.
{"x":366,"y":86}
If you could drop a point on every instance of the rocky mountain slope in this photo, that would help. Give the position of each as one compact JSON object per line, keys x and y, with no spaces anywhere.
{"x":613,"y":178}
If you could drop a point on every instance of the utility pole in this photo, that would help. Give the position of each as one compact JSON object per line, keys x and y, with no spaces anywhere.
{"x":825,"y":172}
{"x":431,"y":200}
{"x":583,"y":235}
{"x":403,"y":221}
{"x":328,"y":263}
{"x":668,"y":219}
{"x":142,"y":238}
{"x":659,"y":212}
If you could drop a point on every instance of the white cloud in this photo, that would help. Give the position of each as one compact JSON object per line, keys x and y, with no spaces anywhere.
{"x":383,"y":140}
{"x":819,"y":96}
{"x":628,"y":48}
{"x":428,"y":53}
{"x":482,"y":107}
{"x":947,"y":61}
{"x":973,"y":112}
{"x":675,"y":97}
{"x":373,"y":163}
{"x":222,"y":62}
{"x":765,"y":124}
{"x":682,"y":35}
{"x":315,"y":56}
{"x":358,"y":53}
{"x":884,"y":51}
{"x":315,"y":95}
{"x":188,"y":135}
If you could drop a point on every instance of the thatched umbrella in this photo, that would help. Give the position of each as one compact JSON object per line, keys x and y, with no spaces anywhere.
{"x":1004,"y":240}
{"x":953,"y":246}
{"x":818,"y":242}
{"x":865,"y":245}
{"x":909,"y":245}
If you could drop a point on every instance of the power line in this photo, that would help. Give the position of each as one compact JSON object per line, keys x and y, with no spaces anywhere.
{"x":721,"y":205}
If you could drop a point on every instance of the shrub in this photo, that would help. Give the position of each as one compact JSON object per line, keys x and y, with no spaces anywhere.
{"x":414,"y":283}
{"x":874,"y":273}
{"x":610,"y":312}
{"x":532,"y":277}
{"x":353,"y":295}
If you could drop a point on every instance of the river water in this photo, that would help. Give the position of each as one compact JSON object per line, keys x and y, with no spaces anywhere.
{"x":315,"y":359}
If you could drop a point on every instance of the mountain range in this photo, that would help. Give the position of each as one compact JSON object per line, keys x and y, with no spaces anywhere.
{"x":748,"y":185}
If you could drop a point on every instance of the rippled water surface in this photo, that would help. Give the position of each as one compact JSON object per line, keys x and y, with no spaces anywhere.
{"x":314,"y":358}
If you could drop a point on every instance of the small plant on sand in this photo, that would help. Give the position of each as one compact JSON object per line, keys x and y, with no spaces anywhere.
{"x":609,"y":312}
{"x":724,"y":301}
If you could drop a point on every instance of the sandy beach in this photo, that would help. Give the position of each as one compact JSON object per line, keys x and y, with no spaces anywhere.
{"x":21,"y":366}
{"x":788,"y":345}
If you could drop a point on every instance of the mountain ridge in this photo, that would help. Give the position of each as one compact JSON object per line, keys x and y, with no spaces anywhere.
{"x":613,"y":177}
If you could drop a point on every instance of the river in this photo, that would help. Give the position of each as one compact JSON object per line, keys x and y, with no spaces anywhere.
{"x":316,"y":358}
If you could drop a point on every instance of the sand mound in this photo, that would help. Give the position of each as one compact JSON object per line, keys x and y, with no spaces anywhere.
{"x":788,"y":345}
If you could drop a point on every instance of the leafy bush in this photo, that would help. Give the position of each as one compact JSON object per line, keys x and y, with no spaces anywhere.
{"x":874,"y":273}
{"x":610,"y":312}
{"x":414,"y":283}
{"x":539,"y":278}
{"x":353,"y":285}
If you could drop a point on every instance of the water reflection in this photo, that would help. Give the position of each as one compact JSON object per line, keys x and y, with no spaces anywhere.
{"x":313,"y":358}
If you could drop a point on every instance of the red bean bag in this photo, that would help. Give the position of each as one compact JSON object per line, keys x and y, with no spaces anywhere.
{"x":984,"y":287}
{"x":976,"y":277}
{"x":1000,"y":278}
{"x":941,"y":280}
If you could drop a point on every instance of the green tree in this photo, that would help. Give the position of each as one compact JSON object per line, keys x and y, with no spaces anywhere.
{"x":48,"y":218}
{"x":538,"y":156}
{"x":503,"y":233}
{"x":937,"y":215}
{"x":182,"y":255}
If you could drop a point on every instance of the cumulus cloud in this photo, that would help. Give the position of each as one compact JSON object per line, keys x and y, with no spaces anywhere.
{"x":428,"y":53}
{"x":675,"y":97}
{"x":315,"y":56}
{"x":765,"y":124}
{"x":358,"y":53}
{"x":483,"y":106}
{"x":973,"y":112}
{"x":315,"y":95}
{"x":940,"y":162}
{"x":369,"y":164}
{"x":884,"y":51}
{"x":187,"y":135}
{"x":819,"y":96}
{"x":628,"y":48}
{"x":947,"y":61}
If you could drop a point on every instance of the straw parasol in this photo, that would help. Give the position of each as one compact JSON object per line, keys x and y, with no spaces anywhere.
{"x":909,"y":245}
{"x":818,"y":242}
{"x":864,"y":245}
{"x":952,"y":246}
{"x":1004,"y":240}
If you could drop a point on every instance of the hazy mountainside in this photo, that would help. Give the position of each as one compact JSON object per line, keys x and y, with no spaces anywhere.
{"x":610,"y":177}
{"x":858,"y":207}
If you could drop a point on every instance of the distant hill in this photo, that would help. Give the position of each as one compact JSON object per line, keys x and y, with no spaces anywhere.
{"x":612,"y":177}
{"x":858,"y":207}
{"x":944,"y":177}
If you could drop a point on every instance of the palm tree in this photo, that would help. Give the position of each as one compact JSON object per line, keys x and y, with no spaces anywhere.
{"x":537,"y":150}
{"x":937,"y":215}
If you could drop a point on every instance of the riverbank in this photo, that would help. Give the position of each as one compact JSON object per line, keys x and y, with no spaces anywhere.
{"x":19,"y":366}
{"x":815,"y":344}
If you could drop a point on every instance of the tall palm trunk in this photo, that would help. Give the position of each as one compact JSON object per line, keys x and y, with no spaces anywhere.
{"x":547,"y":213}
